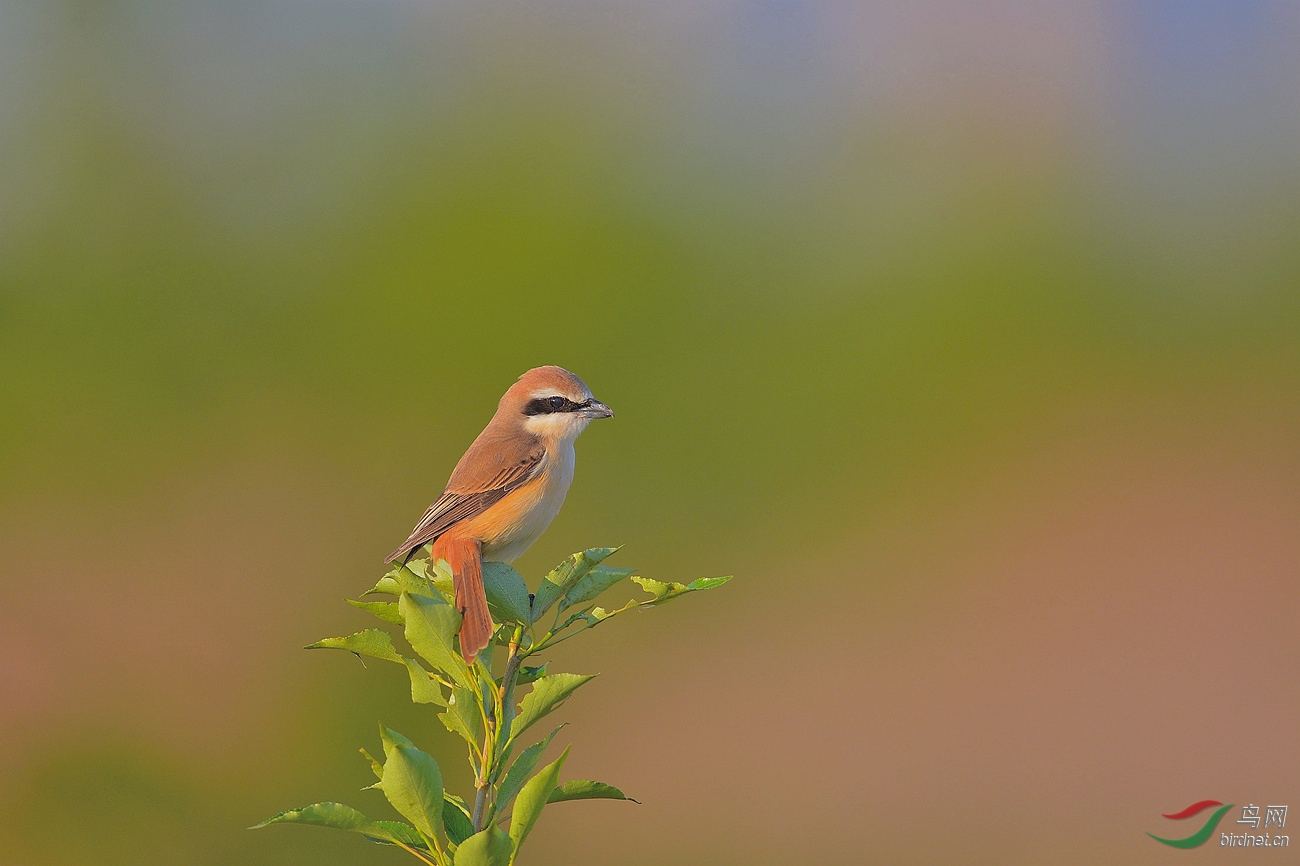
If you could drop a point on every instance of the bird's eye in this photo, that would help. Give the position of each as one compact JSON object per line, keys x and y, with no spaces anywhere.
{"x":556,"y":403}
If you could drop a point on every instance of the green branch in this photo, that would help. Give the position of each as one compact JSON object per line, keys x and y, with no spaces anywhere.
{"x":439,"y":829}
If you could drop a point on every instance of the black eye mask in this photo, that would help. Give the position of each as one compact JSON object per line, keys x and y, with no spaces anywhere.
{"x":551,"y":405}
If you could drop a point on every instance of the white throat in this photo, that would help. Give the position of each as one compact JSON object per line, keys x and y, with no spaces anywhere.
{"x":556,"y":427}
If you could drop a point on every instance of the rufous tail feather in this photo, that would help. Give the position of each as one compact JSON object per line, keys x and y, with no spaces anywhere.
{"x":465,"y":557}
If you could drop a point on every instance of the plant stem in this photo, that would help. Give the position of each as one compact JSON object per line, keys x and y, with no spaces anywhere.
{"x":483,"y":772}
{"x":480,"y":800}
{"x":416,"y":854}
{"x":498,"y":732}
{"x":508,"y":686}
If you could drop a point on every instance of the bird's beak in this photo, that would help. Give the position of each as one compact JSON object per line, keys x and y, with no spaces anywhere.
{"x":597,"y":409}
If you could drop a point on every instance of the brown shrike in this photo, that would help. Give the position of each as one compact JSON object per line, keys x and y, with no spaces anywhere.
{"x":506,"y":490}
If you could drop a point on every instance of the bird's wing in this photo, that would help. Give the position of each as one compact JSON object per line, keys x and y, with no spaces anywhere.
{"x":490,"y":469}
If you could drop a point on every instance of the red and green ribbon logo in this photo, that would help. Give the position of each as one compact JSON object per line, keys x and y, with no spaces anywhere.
{"x":1199,"y":837}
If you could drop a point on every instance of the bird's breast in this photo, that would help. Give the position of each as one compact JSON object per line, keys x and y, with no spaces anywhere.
{"x":510,"y":527}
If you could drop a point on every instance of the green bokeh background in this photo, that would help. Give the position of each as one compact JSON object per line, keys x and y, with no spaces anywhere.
{"x":967,"y":338}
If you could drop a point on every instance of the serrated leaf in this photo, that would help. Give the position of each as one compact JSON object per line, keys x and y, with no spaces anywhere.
{"x":507,"y":594}
{"x":413,"y":577}
{"x":373,"y":642}
{"x":489,"y":847}
{"x":586,"y":789}
{"x":596,"y":581}
{"x":523,"y":765}
{"x":375,"y":767}
{"x":571,"y":619}
{"x":439,"y":574}
{"x":532,"y":799}
{"x":661,"y":590}
{"x":424,"y":690}
{"x":394,"y":832}
{"x":412,"y":783}
{"x":335,"y":815}
{"x":389,"y":737}
{"x":462,"y":717}
{"x":340,"y":817}
{"x":594,"y":616}
{"x":385,"y":610}
{"x":386,"y":585}
{"x":431,"y":631}
{"x":528,"y":674}
{"x":666,"y":591}
{"x":565,"y":575}
{"x":547,"y":693}
{"x":455,"y":818}
{"x":419,"y":577}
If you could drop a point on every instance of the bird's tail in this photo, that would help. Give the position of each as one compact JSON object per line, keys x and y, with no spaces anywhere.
{"x":465,"y":556}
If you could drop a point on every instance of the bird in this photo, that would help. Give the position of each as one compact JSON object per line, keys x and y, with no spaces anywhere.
{"x":506,"y":489}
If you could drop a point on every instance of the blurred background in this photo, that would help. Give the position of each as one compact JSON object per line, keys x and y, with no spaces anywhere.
{"x":966,"y":336}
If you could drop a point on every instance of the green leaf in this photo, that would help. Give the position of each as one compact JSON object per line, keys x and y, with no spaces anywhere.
{"x":523,"y":765}
{"x":419,"y":577}
{"x":413,"y":577}
{"x":532,"y":799}
{"x":455,"y":817}
{"x":548,"y":692}
{"x":462,"y":716}
{"x":596,"y":615}
{"x":341,"y":817}
{"x":335,"y":815}
{"x":596,"y":581}
{"x":507,"y":594}
{"x":385,"y":610}
{"x":572,"y":618}
{"x":661,"y":590}
{"x":394,"y":832}
{"x":486,"y":655}
{"x":412,"y":782}
{"x":528,"y":674}
{"x":372,"y":642}
{"x":375,"y":767}
{"x":424,"y":690}
{"x":431,"y":631}
{"x":490,"y":847}
{"x":664,"y":592}
{"x":587,"y":789}
{"x":439,"y":574}
{"x":386,"y":585}
{"x":565,"y":575}
{"x":389,"y":737}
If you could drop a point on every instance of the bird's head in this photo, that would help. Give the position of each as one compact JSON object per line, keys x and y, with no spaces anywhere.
{"x":553,"y":403}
